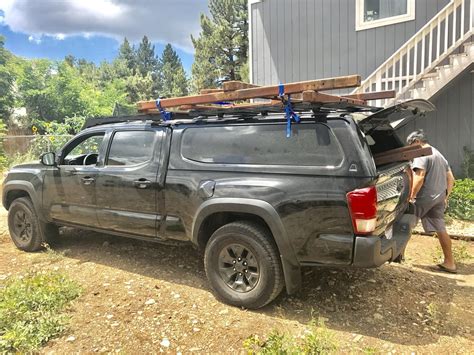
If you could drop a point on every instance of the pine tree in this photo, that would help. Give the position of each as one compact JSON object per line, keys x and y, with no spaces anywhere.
{"x":145,"y":56}
{"x":222,"y":46}
{"x":128,"y":56}
{"x":171,"y":77}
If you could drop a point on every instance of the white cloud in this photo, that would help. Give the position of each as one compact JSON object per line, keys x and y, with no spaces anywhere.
{"x":34,"y":39}
{"x":161,"y":20}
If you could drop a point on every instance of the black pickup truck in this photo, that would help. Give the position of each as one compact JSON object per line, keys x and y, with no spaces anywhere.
{"x":258,"y":204}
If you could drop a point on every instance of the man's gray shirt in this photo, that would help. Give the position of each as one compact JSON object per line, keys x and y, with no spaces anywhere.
{"x":436,"y":168}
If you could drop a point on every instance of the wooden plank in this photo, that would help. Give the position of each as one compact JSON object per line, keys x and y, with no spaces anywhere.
{"x":272,"y":103}
{"x":402,"y":154}
{"x":237,"y":85}
{"x":378,"y":95}
{"x":259,"y":92}
{"x":210,"y":91}
{"x":319,"y":97}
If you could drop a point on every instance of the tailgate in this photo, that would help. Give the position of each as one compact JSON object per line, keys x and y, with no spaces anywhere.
{"x":393,"y":192}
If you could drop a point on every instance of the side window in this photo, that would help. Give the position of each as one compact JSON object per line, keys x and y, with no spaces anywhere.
{"x":83,"y":151}
{"x":131,"y":148}
{"x":309,"y":145}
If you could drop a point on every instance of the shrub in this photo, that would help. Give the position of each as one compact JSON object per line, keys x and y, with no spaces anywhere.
{"x":461,"y":200}
{"x":31,"y":310}
{"x":468,"y":163}
{"x":316,"y":340}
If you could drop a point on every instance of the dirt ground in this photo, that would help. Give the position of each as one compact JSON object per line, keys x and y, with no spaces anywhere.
{"x":141,"y":297}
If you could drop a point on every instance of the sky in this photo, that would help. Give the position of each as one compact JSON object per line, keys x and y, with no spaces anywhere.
{"x":94,"y":29}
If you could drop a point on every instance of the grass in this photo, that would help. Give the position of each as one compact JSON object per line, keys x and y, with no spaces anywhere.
{"x":31,"y":310}
{"x":317,"y":339}
{"x":460,"y":253}
{"x":433,"y":311}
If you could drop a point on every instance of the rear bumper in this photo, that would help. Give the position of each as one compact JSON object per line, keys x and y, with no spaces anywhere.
{"x":373,"y":251}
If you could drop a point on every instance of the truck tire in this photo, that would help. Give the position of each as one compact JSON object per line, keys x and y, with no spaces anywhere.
{"x":26,"y":230}
{"x":243,"y":265}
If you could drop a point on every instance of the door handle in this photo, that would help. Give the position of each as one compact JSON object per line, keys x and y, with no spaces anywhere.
{"x":142,"y":183}
{"x":87,"y":180}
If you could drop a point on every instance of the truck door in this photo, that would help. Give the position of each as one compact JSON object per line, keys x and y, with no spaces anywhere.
{"x":69,"y":190}
{"x":127,"y":188}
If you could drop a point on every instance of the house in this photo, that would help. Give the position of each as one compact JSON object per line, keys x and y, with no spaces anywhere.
{"x":419,"y":48}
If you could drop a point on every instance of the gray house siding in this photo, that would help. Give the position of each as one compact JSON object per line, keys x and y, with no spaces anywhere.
{"x":293,"y":40}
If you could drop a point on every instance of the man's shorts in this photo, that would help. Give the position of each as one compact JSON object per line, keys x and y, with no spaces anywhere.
{"x":431,"y":213}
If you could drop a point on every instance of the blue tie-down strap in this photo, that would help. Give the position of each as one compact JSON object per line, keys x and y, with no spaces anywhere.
{"x":281,"y":90}
{"x":290,"y":114}
{"x":165,"y":114}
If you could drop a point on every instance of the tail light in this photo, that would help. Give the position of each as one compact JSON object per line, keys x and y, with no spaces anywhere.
{"x":363,"y":208}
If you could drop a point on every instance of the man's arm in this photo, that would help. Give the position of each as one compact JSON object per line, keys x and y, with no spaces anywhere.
{"x":449,"y":182}
{"x":418,"y":179}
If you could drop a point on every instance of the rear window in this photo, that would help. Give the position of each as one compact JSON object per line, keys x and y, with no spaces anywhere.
{"x":309,"y":145}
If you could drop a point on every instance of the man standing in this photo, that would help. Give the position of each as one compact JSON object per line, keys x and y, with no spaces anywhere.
{"x":433,"y":181}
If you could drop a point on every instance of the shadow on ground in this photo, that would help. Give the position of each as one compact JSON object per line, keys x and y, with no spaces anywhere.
{"x":400,"y":304}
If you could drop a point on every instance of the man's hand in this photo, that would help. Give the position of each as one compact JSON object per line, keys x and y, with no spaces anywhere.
{"x":418,"y":179}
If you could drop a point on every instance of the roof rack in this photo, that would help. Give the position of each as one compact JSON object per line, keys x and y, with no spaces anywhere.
{"x":232,"y":101}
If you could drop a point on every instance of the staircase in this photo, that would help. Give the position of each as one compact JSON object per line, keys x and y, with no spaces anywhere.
{"x":428,"y":61}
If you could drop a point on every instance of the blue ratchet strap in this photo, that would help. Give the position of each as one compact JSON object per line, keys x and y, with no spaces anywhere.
{"x":165,"y":114}
{"x":289,"y":113}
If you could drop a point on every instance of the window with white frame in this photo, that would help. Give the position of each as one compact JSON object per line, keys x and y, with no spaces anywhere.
{"x":375,"y":13}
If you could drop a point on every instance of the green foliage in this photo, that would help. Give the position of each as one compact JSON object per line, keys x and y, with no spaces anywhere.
{"x":55,"y":135}
{"x":7,"y":98}
{"x":461,"y":200}
{"x":31,"y":310}
{"x":3,"y":158}
{"x":460,"y":253}
{"x":222,"y":46}
{"x":316,"y":340}
{"x":128,"y":56}
{"x":145,"y":57}
{"x":468,"y":163}
{"x":171,"y":79}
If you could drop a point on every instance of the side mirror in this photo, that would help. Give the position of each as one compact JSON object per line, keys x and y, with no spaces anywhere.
{"x":48,"y":159}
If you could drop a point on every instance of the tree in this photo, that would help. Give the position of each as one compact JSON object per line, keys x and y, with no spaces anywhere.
{"x":70,"y":60}
{"x":7,"y":97}
{"x":34,"y":87}
{"x":222,"y":46}
{"x":171,"y":77}
{"x":146,"y":61}
{"x":140,"y":88}
{"x":128,"y":56}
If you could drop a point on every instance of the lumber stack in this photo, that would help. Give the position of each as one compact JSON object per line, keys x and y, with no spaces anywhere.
{"x":234,"y":94}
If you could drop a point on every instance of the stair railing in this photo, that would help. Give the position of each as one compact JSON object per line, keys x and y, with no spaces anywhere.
{"x":425,"y":50}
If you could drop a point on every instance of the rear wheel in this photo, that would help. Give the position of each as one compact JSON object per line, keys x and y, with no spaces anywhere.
{"x":243,"y":265}
{"x":26,"y":230}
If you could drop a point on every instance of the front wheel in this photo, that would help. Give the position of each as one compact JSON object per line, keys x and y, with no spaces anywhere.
{"x":26,"y":230}
{"x":243,"y":265}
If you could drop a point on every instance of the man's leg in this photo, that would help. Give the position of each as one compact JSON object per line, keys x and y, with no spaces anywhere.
{"x":445,"y":241}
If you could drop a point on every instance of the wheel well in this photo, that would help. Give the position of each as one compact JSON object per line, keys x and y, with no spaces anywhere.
{"x":216,"y":220}
{"x":13,"y":195}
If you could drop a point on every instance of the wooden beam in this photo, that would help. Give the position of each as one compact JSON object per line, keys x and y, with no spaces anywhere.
{"x":378,"y":95}
{"x":237,"y":85}
{"x":210,"y":91}
{"x":259,"y":92}
{"x":319,"y":97}
{"x":272,"y":103}
{"x":402,"y":154}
